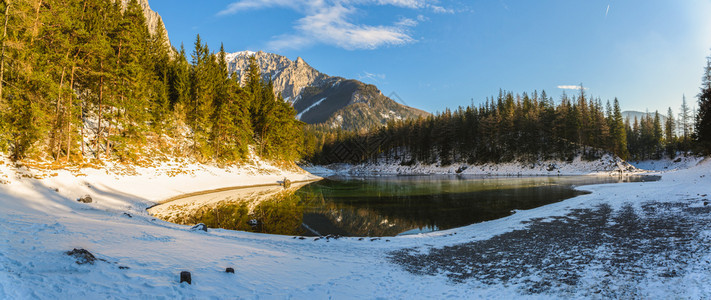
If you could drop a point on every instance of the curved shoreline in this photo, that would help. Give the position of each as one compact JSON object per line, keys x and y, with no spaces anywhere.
{"x":232,"y":188}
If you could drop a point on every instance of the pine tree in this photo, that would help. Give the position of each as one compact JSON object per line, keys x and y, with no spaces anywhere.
{"x":180,"y":81}
{"x":669,"y":136}
{"x":684,"y":125}
{"x":658,"y":136}
{"x":198,"y":110}
{"x":703,"y":118}
{"x":617,"y":130}
{"x":161,"y":69}
{"x":230,"y":133}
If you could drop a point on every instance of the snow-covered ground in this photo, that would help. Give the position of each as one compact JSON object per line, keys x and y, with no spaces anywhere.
{"x":666,"y":164}
{"x":606,"y":165}
{"x":141,"y":257}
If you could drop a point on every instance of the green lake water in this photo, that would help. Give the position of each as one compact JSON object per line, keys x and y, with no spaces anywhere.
{"x":391,"y":205}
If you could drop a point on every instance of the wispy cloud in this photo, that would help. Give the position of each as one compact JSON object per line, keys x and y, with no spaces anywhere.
{"x":367,"y":76}
{"x":607,"y":10}
{"x":571,"y":87}
{"x":330,"y":22}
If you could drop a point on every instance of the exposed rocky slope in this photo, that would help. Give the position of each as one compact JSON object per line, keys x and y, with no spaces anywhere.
{"x":322,"y":99}
{"x":153,"y":19}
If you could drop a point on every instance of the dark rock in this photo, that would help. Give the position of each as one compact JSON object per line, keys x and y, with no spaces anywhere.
{"x":360,"y":239}
{"x":124,"y":267}
{"x":199,"y":226}
{"x":706,"y":203}
{"x":230,"y":270}
{"x":85,"y":199}
{"x":185,"y":277}
{"x":461,"y":169}
{"x":82,"y":256}
{"x":332,"y":236}
{"x":551,"y":167}
{"x":253,"y":222}
{"x":128,"y":215}
{"x":302,"y":238}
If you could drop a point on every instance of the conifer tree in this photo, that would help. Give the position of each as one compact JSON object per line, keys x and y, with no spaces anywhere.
{"x":658,"y":136}
{"x":703,"y":118}
{"x":199,"y":108}
{"x":617,"y":130}
{"x":684,"y":125}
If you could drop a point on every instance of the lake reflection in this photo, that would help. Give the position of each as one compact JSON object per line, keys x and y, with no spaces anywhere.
{"x":376,"y":206}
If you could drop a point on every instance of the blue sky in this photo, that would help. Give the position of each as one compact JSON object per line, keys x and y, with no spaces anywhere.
{"x":442,"y":53}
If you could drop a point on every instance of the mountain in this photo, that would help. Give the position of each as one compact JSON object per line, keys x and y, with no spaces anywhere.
{"x":322,"y":99}
{"x":631,"y":114}
{"x":153,"y":19}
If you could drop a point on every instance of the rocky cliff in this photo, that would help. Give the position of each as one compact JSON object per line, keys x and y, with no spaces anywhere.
{"x":322,"y":99}
{"x":153,"y":19}
{"x":290,"y":77}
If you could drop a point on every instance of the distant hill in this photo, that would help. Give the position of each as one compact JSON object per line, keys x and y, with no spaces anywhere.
{"x":631,"y":114}
{"x":322,"y":99}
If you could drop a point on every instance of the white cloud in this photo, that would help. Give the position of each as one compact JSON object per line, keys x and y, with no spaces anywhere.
{"x":571,"y":87}
{"x":406,"y":22}
{"x":367,"y":76}
{"x":441,"y":10}
{"x":330,"y":22}
{"x":243,"y":5}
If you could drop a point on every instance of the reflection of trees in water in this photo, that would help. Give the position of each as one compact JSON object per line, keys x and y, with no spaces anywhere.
{"x":351,"y":220}
{"x":361,"y":212}
{"x":280,"y":214}
{"x":375,"y":207}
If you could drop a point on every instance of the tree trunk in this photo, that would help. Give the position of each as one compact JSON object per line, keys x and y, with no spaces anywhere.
{"x":58,"y":146}
{"x":2,"y":57}
{"x":108,"y":134}
{"x":35,"y":27}
{"x":101,"y":98}
{"x":81,"y":117}
{"x":69,"y":112}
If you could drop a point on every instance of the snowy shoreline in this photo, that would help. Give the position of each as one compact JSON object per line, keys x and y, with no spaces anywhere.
{"x":606,"y":165}
{"x":40,"y":220}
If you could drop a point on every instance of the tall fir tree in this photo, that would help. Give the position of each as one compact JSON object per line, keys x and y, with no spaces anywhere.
{"x":703,"y":117}
{"x":669,"y":136}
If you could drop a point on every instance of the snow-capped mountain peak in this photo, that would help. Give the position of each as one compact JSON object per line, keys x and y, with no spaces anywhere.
{"x":318,"y":97}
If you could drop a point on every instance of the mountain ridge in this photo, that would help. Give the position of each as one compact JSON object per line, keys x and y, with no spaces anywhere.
{"x":322,"y":99}
{"x":153,"y":19}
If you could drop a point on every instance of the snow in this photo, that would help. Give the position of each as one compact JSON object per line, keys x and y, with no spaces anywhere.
{"x":231,"y":56}
{"x":38,"y":225}
{"x":607,"y":165}
{"x":309,"y":108}
{"x":666,"y":164}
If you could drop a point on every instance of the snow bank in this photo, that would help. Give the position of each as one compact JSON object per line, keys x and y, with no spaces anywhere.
{"x":607,"y":165}
{"x":142,"y":257}
{"x":666,"y":164}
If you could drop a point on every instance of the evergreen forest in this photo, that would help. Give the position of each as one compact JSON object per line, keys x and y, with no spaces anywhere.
{"x":87,"y":80}
{"x":512,"y":127}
